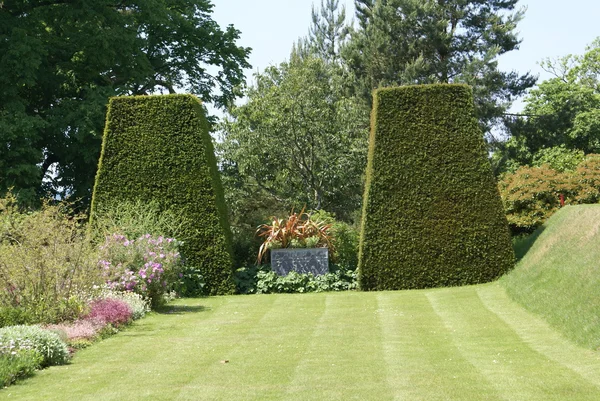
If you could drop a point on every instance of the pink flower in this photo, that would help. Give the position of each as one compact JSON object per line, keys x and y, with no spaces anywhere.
{"x":109,"y":310}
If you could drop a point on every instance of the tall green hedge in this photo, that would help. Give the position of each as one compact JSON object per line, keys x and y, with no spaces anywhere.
{"x":432,"y":214}
{"x":158,"y":148}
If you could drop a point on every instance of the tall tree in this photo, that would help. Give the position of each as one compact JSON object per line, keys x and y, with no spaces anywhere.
{"x":297,"y":141}
{"x":328,"y":30}
{"x":562,"y":114}
{"x":61,"y":60}
{"x":402,"y":42}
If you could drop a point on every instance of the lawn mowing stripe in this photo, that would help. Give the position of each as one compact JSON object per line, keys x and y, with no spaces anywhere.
{"x":518,"y":371}
{"x":190,"y":348}
{"x":345,"y":348}
{"x":423,"y":363}
{"x":540,"y":336}
{"x":141,"y":360}
{"x":263,"y":362}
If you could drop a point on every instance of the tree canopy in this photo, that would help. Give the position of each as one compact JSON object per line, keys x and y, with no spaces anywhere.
{"x":403,"y":42}
{"x":60,"y":61}
{"x":561,"y":115}
{"x":298,"y":140}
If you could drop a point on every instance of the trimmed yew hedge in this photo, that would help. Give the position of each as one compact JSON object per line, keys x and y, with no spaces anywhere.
{"x":158,"y":148}
{"x":432,"y":214}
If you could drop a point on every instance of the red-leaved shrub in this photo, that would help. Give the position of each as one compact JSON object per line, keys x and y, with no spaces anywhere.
{"x":110,"y":311}
{"x":532,"y":194}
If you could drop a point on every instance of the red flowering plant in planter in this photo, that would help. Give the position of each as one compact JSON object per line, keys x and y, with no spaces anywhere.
{"x":298,"y":230}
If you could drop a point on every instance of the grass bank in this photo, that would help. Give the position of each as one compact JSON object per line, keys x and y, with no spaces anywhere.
{"x":558,"y":278}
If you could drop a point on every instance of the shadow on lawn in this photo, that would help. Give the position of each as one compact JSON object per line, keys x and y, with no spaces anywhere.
{"x":180,"y":309}
{"x":523,"y":243}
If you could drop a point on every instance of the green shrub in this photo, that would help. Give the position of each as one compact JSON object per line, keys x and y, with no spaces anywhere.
{"x":559,"y":158}
{"x":345,"y":239}
{"x":532,"y":194}
{"x":246,"y":277}
{"x":49,"y":344}
{"x":12,"y":316}
{"x":261,"y":280}
{"x":48,"y":268}
{"x":18,"y":364}
{"x":134,"y":219}
{"x":432,"y":215}
{"x":157,"y":148}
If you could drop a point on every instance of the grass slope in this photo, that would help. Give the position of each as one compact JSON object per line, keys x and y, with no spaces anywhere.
{"x":559,"y":276}
{"x":464,"y":343}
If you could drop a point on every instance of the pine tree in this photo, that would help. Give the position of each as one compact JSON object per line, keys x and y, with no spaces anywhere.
{"x":403,"y":42}
{"x":328,"y":30}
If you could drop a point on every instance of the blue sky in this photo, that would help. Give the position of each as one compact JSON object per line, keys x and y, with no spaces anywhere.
{"x":551,"y":28}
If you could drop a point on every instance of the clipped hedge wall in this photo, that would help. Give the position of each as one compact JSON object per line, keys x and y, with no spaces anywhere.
{"x":432,"y":214}
{"x":158,"y":148}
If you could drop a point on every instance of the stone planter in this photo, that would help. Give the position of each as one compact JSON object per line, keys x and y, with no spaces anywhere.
{"x":301,"y":260}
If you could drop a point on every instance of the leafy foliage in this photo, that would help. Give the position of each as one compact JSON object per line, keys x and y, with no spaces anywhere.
{"x":17,"y":363}
{"x":53,"y":350}
{"x":432,"y":215}
{"x":60,"y":61}
{"x":299,"y":140}
{"x":532,"y":194}
{"x":328,"y":31}
{"x":558,"y":158}
{"x":345,"y":239}
{"x":269,"y":282}
{"x":562,"y":112}
{"x":157,"y":148}
{"x":47,"y":267}
{"x":15,"y":315}
{"x":134,"y":219}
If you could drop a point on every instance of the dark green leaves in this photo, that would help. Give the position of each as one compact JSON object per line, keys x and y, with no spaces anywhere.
{"x":432,"y":215}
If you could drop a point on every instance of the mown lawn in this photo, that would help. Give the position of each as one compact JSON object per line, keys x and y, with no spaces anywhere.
{"x":469,"y":343}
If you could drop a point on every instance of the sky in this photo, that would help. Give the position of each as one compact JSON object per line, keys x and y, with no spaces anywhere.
{"x":550,"y":29}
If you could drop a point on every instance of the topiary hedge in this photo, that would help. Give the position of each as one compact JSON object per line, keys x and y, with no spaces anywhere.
{"x":157,"y":148}
{"x":432,"y":215}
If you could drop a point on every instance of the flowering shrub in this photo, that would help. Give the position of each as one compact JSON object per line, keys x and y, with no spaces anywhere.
{"x":53,"y":350}
{"x":79,"y":329}
{"x":137,"y":304}
{"x":110,"y":311}
{"x":146,"y":266}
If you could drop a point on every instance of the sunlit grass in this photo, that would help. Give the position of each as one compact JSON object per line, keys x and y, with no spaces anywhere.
{"x":469,"y":343}
{"x":559,"y":276}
